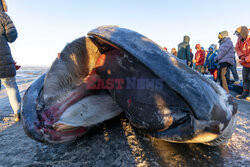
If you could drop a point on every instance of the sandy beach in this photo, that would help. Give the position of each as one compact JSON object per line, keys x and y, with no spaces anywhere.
{"x":114,"y":142}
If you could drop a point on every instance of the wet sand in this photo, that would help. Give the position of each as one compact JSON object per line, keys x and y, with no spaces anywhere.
{"x":117,"y":143}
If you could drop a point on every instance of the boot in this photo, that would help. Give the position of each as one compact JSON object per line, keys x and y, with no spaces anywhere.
{"x":237,"y":82}
{"x":248,"y":98}
{"x":17,"y":118}
{"x":243,"y":96}
{"x":245,"y":91}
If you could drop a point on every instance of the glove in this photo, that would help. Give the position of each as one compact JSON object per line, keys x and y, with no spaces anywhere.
{"x":189,"y":63}
{"x":242,"y":58}
{"x":247,"y":59}
{"x":17,"y":66}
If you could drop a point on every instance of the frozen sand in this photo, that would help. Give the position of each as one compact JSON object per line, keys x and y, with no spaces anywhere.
{"x":115,"y":143}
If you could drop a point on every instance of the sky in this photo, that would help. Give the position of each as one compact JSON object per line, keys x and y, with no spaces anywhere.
{"x":46,"y":26}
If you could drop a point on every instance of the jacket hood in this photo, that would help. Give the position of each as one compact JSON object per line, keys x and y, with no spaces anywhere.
{"x":211,"y":47}
{"x":186,"y":39}
{"x":3,"y":6}
{"x":243,"y":31}
{"x":223,"y":34}
{"x":198,"y":46}
{"x":224,"y":40}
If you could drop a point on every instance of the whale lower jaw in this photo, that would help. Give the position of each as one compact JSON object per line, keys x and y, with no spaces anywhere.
{"x":88,"y":112}
{"x":226,"y":134}
{"x":200,"y":138}
{"x":208,"y":138}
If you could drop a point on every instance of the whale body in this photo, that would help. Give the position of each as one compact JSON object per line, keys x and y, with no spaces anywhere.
{"x":114,"y":70}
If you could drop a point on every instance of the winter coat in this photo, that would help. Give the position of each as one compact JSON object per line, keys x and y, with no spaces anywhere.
{"x":210,"y":59}
{"x":199,"y":58}
{"x":226,"y":52}
{"x":243,"y":51}
{"x":184,"y":49}
{"x":8,"y":33}
{"x":191,"y":58}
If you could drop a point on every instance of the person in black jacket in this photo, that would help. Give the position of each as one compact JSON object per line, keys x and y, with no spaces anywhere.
{"x":8,"y":33}
{"x":184,"y":51}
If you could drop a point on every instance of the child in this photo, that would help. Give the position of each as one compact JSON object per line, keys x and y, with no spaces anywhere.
{"x":210,"y":64}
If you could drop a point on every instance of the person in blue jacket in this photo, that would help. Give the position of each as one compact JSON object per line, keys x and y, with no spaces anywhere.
{"x":210,"y":63}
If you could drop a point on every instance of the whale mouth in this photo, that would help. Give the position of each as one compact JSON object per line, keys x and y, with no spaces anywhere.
{"x":37,"y":125}
{"x":39,"y":122}
{"x":67,"y":118}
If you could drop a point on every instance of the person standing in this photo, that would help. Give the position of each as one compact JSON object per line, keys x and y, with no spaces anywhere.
{"x":243,"y":51}
{"x":191,"y":58}
{"x":8,"y":33}
{"x":184,"y":51}
{"x":203,"y":70}
{"x":225,"y":57}
{"x":173,"y":52}
{"x":199,"y":58}
{"x":210,"y":64}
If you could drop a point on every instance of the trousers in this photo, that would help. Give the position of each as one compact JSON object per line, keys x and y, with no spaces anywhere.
{"x":222,"y":70}
{"x":13,"y":93}
{"x":246,"y":79}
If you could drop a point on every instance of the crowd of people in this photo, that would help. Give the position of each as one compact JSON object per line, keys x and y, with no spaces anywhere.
{"x":220,"y":61}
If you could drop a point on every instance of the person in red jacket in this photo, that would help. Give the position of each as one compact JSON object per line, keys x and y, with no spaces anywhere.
{"x":243,"y":51}
{"x":199,"y":58}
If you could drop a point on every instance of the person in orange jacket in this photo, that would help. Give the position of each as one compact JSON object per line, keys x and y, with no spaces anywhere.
{"x":243,"y":51}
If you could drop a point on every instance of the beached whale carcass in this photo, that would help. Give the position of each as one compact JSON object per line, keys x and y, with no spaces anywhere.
{"x":157,"y":92}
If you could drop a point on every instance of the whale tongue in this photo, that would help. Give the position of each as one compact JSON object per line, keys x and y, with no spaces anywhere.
{"x":63,"y":127}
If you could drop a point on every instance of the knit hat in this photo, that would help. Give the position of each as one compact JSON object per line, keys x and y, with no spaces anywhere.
{"x":223,"y":34}
{"x":3,"y":6}
{"x":242,"y":31}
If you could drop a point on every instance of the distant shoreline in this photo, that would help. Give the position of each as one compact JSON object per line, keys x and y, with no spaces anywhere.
{"x":34,"y":67}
